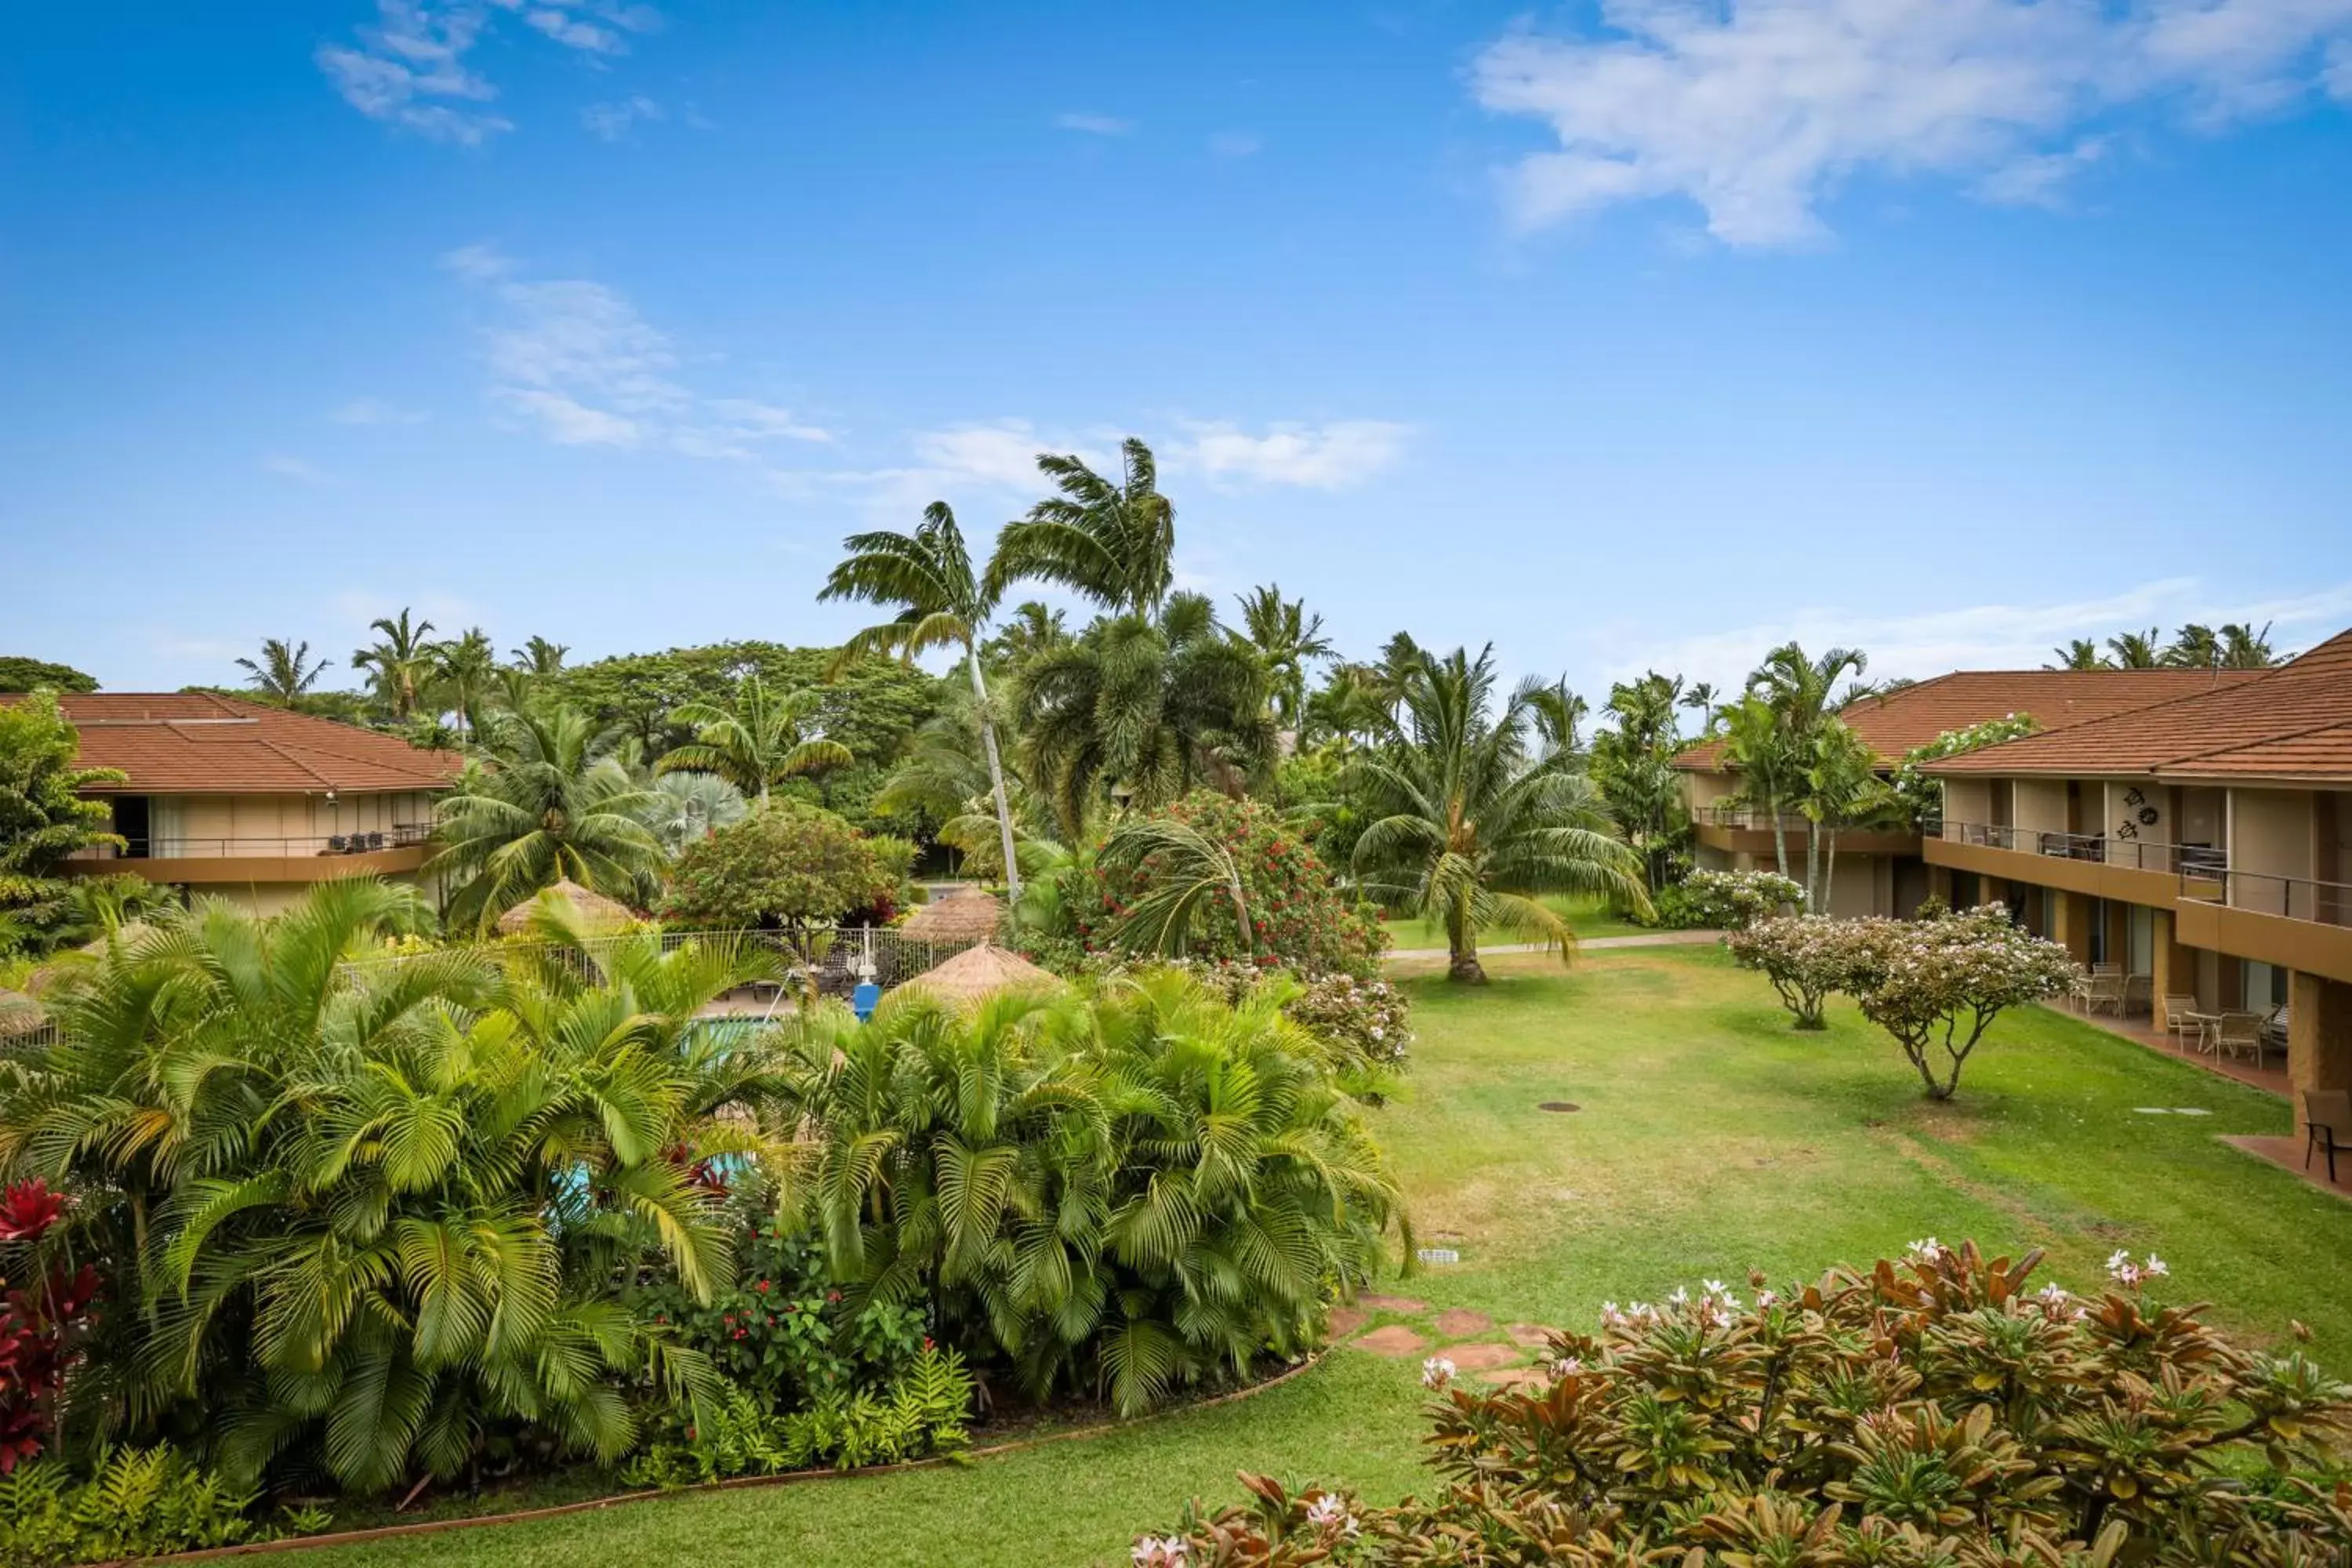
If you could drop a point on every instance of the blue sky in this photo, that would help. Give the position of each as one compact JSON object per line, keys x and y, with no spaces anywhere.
{"x":1647,"y":332}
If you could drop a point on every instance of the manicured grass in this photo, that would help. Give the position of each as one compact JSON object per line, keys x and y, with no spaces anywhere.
{"x":1586,"y":917}
{"x":1711,"y":1137}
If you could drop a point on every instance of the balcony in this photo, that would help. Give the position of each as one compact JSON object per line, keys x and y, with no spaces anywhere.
{"x":1742,"y":829}
{"x":2296,"y":922}
{"x":2133,"y":870}
{"x":174,"y":857}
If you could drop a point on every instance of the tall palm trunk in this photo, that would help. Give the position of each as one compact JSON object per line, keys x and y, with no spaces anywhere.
{"x":996,"y":782}
{"x":1779,"y":833}
{"x":1461,"y":947}
{"x":1813,"y":864}
{"x":1829,"y":872}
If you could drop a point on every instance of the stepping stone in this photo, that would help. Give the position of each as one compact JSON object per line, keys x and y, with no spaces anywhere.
{"x":1516,"y":1377}
{"x":1341,"y":1321}
{"x":1483,"y":1358}
{"x":1458,"y":1322}
{"x":1395,"y":1340}
{"x":1530,"y":1336}
{"x":1391,"y":1304}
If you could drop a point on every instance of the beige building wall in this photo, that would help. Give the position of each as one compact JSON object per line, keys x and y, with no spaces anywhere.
{"x":2040,"y":805}
{"x":212,"y":825}
{"x":1707,"y":788}
{"x":2270,"y":836}
{"x":1967,"y":800}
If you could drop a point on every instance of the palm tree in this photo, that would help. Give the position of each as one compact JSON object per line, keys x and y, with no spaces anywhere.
{"x":368,"y":1214}
{"x":2194,"y":646}
{"x":539,"y":657}
{"x":399,"y":662}
{"x":1632,"y":766}
{"x":284,"y":673}
{"x":1757,"y":748}
{"x":2136,"y":650}
{"x":463,"y":669}
{"x":1288,"y":640}
{"x":1029,"y":630}
{"x":552,"y":802}
{"x":1349,"y":708}
{"x":2079,"y":653}
{"x":689,"y":806}
{"x":1843,"y":789}
{"x":941,"y":602}
{"x":1701,"y":700}
{"x":1469,"y":830}
{"x":1141,"y":711}
{"x":1800,"y":692}
{"x":2242,"y":648}
{"x":1113,"y":544}
{"x":758,"y":741}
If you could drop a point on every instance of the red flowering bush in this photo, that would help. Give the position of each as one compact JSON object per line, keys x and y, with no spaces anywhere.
{"x":44,"y":1309}
{"x":1182,"y":884}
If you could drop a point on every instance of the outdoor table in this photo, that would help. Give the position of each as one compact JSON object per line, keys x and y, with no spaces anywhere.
{"x":2207,"y":1025}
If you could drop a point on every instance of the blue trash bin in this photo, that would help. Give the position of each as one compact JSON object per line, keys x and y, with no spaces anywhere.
{"x":863,"y":1000}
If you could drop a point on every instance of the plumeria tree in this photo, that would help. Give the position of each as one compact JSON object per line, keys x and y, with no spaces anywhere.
{"x":1936,"y":986}
{"x":1808,"y":958}
{"x":1735,"y":901}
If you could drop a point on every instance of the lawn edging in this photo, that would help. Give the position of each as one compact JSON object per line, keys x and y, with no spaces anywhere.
{"x":737,"y":1483}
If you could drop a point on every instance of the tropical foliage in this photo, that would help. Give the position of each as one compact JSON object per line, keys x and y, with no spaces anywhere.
{"x":1927,"y":1412}
{"x":285,"y":672}
{"x":1728,"y":900}
{"x":44,"y":816}
{"x":1122,"y":1193}
{"x":370,"y":1217}
{"x":1470,"y":825}
{"x":2237,"y":646}
{"x":756,"y":741}
{"x":19,"y":673}
{"x":785,"y":865}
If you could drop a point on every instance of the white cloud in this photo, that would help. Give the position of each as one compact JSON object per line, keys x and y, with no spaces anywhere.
{"x":1237,"y":144}
{"x":575,"y":360}
{"x":278,"y":463}
{"x":1095,"y":124}
{"x":409,"y":67}
{"x":1757,"y":109}
{"x":375,"y":411}
{"x":1002,"y":454}
{"x":2040,"y":179}
{"x":1978,"y":636}
{"x":613,"y":122}
{"x":1333,"y":456}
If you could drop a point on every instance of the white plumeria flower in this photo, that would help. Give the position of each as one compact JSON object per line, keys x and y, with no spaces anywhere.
{"x":1436,"y":1372}
{"x":1328,"y":1513}
{"x":2119,"y":1260}
{"x":2156,"y":1267}
{"x":1768,"y":1299}
{"x":1152,"y":1552}
{"x":1680,"y":1298}
{"x":1925,"y":1246}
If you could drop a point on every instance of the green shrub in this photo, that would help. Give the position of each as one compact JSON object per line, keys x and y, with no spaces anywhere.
{"x":920,"y":1410}
{"x":1930,"y":1413}
{"x":1125,"y":1191}
{"x":787,"y":865}
{"x":1726,"y":900}
{"x":1367,"y":1023}
{"x":1225,"y":880}
{"x":136,"y":1503}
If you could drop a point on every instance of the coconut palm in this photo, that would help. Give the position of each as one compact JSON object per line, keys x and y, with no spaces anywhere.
{"x":1127,"y":1192}
{"x":550,"y":800}
{"x":399,"y":662}
{"x":464,"y":669}
{"x":285,"y":673}
{"x":2079,"y":653}
{"x":1113,"y":542}
{"x":1756,"y":746}
{"x":1470,"y":830}
{"x":2136,"y":650}
{"x":1029,"y":630}
{"x":2243,"y":647}
{"x":368,"y":1213}
{"x":1140,"y":710}
{"x":1842,"y":790}
{"x":758,"y":740}
{"x":539,"y":656}
{"x":1289,"y":640}
{"x":941,"y":602}
{"x":1803,"y":694}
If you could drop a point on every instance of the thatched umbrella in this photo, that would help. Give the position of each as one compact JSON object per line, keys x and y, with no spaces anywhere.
{"x":979,"y":972}
{"x":596,"y":913}
{"x":19,"y":1014}
{"x":967,"y":914}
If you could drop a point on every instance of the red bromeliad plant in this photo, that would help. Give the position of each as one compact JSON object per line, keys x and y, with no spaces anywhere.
{"x":1931,"y":1413}
{"x":44,"y":1309}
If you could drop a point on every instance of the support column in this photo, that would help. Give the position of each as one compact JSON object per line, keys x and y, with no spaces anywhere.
{"x":2175,"y":969}
{"x":1995,"y":891}
{"x":1939,"y":882}
{"x":2318,"y":1038}
{"x":2073,"y":928}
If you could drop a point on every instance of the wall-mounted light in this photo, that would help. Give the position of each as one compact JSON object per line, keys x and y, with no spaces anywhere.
{"x":331,"y":797}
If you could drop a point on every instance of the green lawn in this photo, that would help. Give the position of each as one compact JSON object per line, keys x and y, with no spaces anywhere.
{"x":1586,"y":917}
{"x":1711,"y":1138}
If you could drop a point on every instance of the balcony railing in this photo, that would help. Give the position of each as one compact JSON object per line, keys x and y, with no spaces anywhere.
{"x":2291,"y":897}
{"x":1720,"y":813}
{"x":2200,"y":862}
{"x":177,"y":847}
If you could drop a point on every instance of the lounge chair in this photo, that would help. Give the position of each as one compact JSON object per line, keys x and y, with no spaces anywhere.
{"x":2275,"y":1027}
{"x":2326,"y":1123}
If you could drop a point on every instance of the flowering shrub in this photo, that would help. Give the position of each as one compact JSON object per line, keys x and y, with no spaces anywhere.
{"x":1366,"y":1022}
{"x":1937,"y":984}
{"x":1726,"y":900}
{"x":1198,"y":867}
{"x":1930,"y":1413}
{"x":1806,"y":958}
{"x":45,"y":1310}
{"x":787,"y":864}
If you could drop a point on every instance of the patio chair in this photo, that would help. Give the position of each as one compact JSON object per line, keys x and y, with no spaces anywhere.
{"x":337,"y":843}
{"x":2078,"y":992}
{"x":2179,"y":1018}
{"x":374,"y":841}
{"x":2239,"y":1032}
{"x":2140,"y":993}
{"x":2106,"y":991}
{"x":2326,"y":1123}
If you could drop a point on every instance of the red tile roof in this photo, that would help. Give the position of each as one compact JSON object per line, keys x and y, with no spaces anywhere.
{"x":2059,"y":700}
{"x":190,"y":742}
{"x":2292,"y":722}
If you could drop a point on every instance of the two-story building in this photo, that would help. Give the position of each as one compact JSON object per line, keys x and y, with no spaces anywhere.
{"x":1887,"y":872}
{"x":2204,"y":841}
{"x":250,"y":802}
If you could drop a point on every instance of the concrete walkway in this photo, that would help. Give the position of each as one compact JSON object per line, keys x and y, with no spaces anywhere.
{"x":1589,"y":945}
